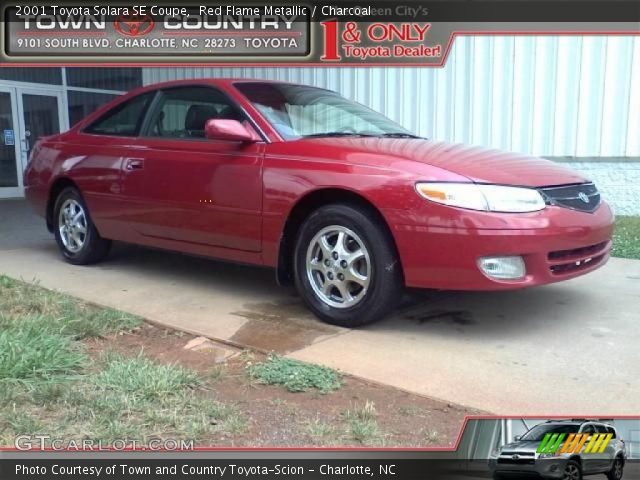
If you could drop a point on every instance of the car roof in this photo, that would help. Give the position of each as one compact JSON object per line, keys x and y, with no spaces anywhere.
{"x":578,"y":422}
{"x":219,"y":82}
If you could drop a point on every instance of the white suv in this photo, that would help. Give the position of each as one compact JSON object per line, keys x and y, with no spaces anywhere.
{"x":523,"y":456}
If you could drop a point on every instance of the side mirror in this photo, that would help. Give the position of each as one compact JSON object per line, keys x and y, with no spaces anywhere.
{"x":230,"y":130}
{"x":517,"y":438}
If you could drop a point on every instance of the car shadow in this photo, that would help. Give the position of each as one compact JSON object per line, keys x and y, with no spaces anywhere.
{"x":487,"y":314}
{"x":476,"y":314}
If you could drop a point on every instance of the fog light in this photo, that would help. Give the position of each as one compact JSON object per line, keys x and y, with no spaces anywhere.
{"x":503,"y":268}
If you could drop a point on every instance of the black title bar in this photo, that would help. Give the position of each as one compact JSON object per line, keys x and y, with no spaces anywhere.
{"x":432,"y":11}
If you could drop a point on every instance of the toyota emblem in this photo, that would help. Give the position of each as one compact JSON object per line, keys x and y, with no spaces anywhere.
{"x":134,"y":25}
{"x":583,"y":196}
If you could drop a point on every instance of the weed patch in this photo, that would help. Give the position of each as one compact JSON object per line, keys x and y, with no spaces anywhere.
{"x":294,"y":375}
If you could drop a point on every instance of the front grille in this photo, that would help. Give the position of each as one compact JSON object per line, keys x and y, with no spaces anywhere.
{"x":517,"y":461}
{"x":569,"y":261}
{"x":583,"y":197}
{"x":522,"y":454}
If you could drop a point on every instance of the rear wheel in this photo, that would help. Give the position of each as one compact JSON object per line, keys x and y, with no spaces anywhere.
{"x":616,"y":470}
{"x":346,"y":266}
{"x":76,"y":235}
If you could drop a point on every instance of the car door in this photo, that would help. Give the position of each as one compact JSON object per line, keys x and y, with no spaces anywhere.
{"x":195,"y":190}
{"x":589,"y":461}
{"x":605,"y":458}
{"x":96,"y":155}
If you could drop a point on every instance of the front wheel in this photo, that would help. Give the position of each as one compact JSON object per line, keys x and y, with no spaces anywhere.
{"x":572,"y":471}
{"x":346,"y":266}
{"x":76,"y":235}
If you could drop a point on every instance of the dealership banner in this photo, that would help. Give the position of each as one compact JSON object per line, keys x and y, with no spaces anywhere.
{"x":485,"y":446}
{"x":304,"y":33}
{"x":243,"y":465}
{"x":134,"y":467}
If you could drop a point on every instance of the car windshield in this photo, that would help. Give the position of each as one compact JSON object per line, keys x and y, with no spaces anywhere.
{"x":297,"y":111}
{"x":537,"y":433}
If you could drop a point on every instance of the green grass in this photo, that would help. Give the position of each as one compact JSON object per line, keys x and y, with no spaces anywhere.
{"x":626,"y":238}
{"x":363,"y":424}
{"x":320,"y":431}
{"x":31,"y":351}
{"x":48,"y":384}
{"x":294,"y":375}
{"x":141,"y":377}
{"x":59,"y":313}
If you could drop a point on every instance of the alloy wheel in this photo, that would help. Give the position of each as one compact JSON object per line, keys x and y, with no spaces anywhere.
{"x":617,"y":469}
{"x":572,"y":472}
{"x":72,"y":224}
{"x":338,"y":267}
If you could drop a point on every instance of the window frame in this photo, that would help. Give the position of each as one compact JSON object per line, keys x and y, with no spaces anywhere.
{"x":68,"y":93}
{"x":120,"y":105}
{"x":590,"y":426}
{"x":601,"y":428}
{"x":156,"y":103}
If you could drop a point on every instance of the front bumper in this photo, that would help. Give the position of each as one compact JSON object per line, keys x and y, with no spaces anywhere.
{"x":442,"y":251}
{"x":541,"y":468}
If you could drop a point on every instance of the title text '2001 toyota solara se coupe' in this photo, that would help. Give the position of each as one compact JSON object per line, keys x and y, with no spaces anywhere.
{"x":342,"y":201}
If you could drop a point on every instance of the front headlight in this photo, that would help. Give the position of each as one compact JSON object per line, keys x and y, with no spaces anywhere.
{"x":546,"y":455}
{"x":488,"y":198}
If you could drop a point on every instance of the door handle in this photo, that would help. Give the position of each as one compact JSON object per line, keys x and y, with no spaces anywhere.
{"x":131,"y":164}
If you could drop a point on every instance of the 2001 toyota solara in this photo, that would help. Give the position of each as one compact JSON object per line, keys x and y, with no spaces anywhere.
{"x":343,"y":202}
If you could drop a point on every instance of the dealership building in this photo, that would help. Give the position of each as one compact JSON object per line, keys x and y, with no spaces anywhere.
{"x":573,"y":99}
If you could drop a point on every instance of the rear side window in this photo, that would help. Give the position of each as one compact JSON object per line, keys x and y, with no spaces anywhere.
{"x":612,"y":431}
{"x":125,"y":119}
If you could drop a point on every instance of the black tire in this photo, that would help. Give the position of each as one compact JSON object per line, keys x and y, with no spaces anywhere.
{"x":385,"y":284}
{"x":574,"y":466}
{"x":615,"y":473}
{"x":94,"y":248}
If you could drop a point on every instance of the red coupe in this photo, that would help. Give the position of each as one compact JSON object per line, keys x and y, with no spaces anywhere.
{"x":343,"y":202}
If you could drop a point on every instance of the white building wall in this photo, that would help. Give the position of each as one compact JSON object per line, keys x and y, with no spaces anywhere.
{"x":554,"y":96}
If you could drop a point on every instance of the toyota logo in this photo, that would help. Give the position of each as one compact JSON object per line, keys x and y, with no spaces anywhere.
{"x":583,"y":196}
{"x":134,"y":25}
{"x":515,"y":457}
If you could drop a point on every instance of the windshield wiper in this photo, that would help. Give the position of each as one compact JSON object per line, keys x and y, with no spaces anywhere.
{"x":399,"y":135}
{"x":339,"y":134}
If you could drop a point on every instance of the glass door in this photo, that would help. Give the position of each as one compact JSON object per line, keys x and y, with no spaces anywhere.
{"x":40,"y":115}
{"x":10,"y":173}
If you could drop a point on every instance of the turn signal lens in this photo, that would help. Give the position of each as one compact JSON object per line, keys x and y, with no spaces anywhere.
{"x":463,"y":195}
{"x":488,"y":198}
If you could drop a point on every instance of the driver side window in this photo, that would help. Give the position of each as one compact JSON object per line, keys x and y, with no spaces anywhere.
{"x":183,"y":112}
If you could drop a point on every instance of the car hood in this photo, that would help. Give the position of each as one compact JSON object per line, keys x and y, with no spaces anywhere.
{"x":479,"y":164}
{"x":521,"y":446}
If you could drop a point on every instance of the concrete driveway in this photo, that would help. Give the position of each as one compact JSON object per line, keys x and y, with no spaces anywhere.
{"x":566,"y":349}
